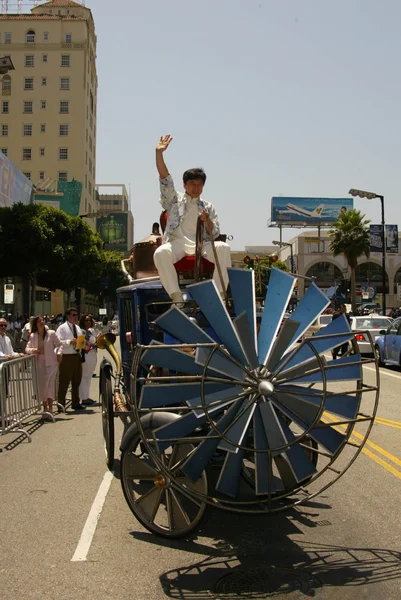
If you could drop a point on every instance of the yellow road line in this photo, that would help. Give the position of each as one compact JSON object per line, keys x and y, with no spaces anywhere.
{"x":380,"y":422}
{"x":388,"y":421}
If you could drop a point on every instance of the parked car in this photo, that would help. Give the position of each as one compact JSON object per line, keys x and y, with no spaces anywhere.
{"x":375,"y":324}
{"x":388,"y":345}
{"x":366,"y":308}
{"x":318,"y":324}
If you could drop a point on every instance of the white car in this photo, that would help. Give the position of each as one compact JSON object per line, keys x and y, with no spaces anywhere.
{"x":318,"y":324}
{"x":372,"y":323}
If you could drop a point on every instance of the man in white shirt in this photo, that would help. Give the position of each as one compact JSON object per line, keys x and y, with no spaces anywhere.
{"x":70,"y":368}
{"x":6,"y":348}
{"x":179,"y":237}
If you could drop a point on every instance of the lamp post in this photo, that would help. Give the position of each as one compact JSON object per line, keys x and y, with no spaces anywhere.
{"x":289,"y":245}
{"x":371,"y":196}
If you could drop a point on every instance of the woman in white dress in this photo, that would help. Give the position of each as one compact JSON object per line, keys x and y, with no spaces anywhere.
{"x":87,"y":323}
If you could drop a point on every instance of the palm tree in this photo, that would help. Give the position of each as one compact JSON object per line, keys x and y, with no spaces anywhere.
{"x":350,"y":236}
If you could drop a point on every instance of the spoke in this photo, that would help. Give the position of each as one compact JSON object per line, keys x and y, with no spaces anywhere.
{"x":150,"y":502}
{"x":242,"y":285}
{"x":140,"y":468}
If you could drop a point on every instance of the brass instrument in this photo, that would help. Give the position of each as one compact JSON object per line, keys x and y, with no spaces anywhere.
{"x":105,"y":341}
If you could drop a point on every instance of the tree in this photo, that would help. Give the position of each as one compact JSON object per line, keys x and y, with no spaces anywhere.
{"x":350,"y":237}
{"x":262,"y":267}
{"x":111,"y":277}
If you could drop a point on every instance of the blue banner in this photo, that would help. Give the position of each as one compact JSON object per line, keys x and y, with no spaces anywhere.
{"x":376,"y":238}
{"x":308,"y":211}
{"x":14,"y":186}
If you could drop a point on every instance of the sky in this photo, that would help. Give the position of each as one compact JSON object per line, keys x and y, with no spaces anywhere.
{"x":270,"y":97}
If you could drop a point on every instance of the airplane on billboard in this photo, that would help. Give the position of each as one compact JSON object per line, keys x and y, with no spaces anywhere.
{"x":293,"y":209}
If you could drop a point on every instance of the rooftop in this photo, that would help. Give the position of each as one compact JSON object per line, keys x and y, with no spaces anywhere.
{"x":61,"y":4}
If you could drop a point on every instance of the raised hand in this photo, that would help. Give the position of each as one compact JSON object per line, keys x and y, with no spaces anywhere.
{"x":164,"y":143}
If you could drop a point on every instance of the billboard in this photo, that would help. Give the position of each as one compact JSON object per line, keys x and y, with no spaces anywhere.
{"x":308,"y":211}
{"x":113,"y":229}
{"x":14,"y":186}
{"x":376,"y":244}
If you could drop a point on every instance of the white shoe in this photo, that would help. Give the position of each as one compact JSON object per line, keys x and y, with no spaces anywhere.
{"x":178,"y":299}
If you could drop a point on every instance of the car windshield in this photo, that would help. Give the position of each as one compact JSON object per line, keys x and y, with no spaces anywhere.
{"x":326,"y":319}
{"x":373,"y":323}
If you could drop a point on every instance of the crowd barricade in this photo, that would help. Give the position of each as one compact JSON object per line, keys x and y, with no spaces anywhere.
{"x":19,"y":396}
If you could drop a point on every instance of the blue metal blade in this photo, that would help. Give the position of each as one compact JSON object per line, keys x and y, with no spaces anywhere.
{"x":345,"y":406}
{"x":237,"y":432}
{"x":220,"y":363}
{"x":311,"y":306}
{"x":265,"y":481}
{"x":280,"y":345}
{"x":175,"y":360}
{"x":177,"y":324}
{"x":211,"y":304}
{"x":300,"y":464}
{"x":200,"y":458}
{"x":177,"y":430}
{"x":230,"y":474}
{"x":305,"y":353}
{"x":344,"y":369}
{"x":274,"y":432}
{"x":242,"y":285}
{"x":222,"y":397}
{"x":241,"y":324}
{"x":166,"y":394}
{"x":279,"y":292}
{"x":306,"y":408}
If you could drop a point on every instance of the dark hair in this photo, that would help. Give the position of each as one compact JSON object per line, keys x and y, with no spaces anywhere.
{"x":82,"y":321}
{"x":70,"y":310}
{"x":35,"y":326}
{"x":194,"y":174}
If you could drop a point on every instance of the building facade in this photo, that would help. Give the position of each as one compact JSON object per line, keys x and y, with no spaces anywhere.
{"x":115,"y":222}
{"x":48,"y":103}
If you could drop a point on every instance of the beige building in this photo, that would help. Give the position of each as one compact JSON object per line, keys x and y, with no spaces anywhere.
{"x":48,"y":104}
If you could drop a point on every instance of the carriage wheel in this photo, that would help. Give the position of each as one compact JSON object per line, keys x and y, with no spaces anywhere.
{"x":106,"y":393}
{"x":266,"y":416}
{"x":156,"y":501}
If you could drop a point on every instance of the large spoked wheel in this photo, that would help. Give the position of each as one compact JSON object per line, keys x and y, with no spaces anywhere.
{"x":272,"y":421}
{"x":106,"y":394}
{"x":163,"y":504}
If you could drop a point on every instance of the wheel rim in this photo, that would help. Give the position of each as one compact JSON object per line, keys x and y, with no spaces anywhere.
{"x":157,"y":500}
{"x":107,"y":421}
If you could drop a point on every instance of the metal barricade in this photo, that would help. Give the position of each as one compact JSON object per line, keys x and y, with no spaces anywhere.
{"x":19,"y":396}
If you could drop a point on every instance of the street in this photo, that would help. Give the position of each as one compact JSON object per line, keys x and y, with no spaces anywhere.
{"x":66,"y":532}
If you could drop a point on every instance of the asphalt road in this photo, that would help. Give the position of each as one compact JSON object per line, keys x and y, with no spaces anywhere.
{"x":344,"y":544}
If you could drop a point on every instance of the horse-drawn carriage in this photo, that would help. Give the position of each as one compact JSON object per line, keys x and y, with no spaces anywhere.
{"x":220,"y":412}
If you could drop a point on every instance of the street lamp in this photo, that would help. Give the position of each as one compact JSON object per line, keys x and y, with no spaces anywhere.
{"x":371,"y":196}
{"x":289,"y":245}
{"x":6,"y":65}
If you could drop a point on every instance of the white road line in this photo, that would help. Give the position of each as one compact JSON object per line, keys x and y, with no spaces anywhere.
{"x":383,"y":372}
{"x":85,"y":541}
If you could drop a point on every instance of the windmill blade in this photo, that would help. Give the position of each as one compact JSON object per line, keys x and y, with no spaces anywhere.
{"x":222,"y":398}
{"x":300,"y":370}
{"x":237,"y":432}
{"x":220,"y":363}
{"x":281,"y":343}
{"x":278,"y":295}
{"x":339,"y":326}
{"x":244,"y":330}
{"x":265,"y":481}
{"x":230,"y":474}
{"x":345,"y":406}
{"x":345,"y":368}
{"x":242,"y":285}
{"x":167,"y":394}
{"x":309,"y":308}
{"x":176,"y":323}
{"x":169,"y":358}
{"x":176,"y":430}
{"x":200,"y":458}
{"x":307,"y":408}
{"x":211,"y":304}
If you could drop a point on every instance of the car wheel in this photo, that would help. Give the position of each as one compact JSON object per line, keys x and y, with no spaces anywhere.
{"x":379,"y":358}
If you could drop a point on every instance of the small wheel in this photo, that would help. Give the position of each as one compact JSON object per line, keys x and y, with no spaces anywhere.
{"x":159,"y":506}
{"x":107,"y":417}
{"x":378,"y":357}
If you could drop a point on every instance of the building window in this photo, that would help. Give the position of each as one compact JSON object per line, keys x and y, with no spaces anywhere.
{"x":27,"y":130}
{"x":29,"y":60}
{"x":90,"y":143}
{"x":65,"y":60}
{"x":6,"y":84}
{"x":44,"y":57}
{"x":41,"y":175}
{"x":4,"y":151}
{"x":41,"y":151}
{"x":64,"y":106}
{"x":28,"y":83}
{"x":4,"y":130}
{"x":43,"y":104}
{"x":90,"y":166}
{"x":63,"y":130}
{"x":44,"y":80}
{"x":42,"y":128}
{"x":5,"y":107}
{"x":64,"y":83}
{"x":86,"y":181}
{"x":27,"y":175}
{"x":63,"y":153}
{"x":63,"y":176}
{"x":30,"y":37}
{"x":68,"y":38}
{"x":28,"y":107}
{"x":46,"y":36}
{"x":90,"y":188}
{"x":7,"y":38}
{"x":26,"y":153}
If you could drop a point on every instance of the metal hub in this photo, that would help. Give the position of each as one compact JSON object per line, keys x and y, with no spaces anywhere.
{"x":160,"y":481}
{"x":265,"y":387}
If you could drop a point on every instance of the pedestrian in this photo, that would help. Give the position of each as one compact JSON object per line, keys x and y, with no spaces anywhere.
{"x":17,"y":331}
{"x":25,"y":333}
{"x":44,"y":343}
{"x":70,"y":367}
{"x":344,"y":347}
{"x":87,"y":323}
{"x":179,"y":237}
{"x":6,"y":347}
